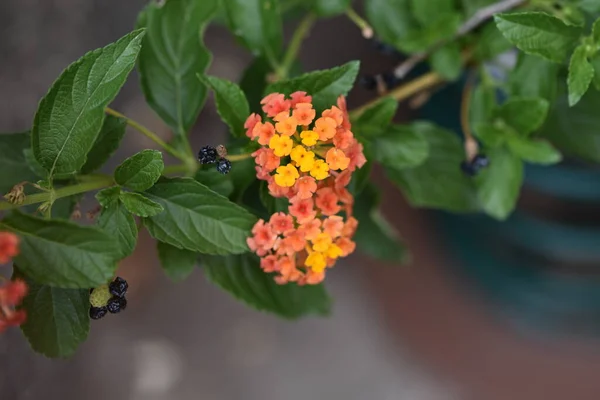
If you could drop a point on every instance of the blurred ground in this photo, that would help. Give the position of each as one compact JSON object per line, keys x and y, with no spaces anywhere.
{"x":190,"y":340}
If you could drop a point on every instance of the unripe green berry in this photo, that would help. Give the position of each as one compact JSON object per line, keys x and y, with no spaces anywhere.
{"x":100,"y":296}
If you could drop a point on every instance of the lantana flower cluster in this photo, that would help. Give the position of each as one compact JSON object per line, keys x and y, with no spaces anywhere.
{"x":309,"y":160}
{"x":11,"y":292}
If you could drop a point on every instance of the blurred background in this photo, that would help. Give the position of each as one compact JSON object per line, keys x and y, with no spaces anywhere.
{"x":462,"y":321}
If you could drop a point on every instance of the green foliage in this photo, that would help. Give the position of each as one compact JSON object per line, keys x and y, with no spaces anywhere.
{"x":534,"y":77}
{"x":328,"y":8}
{"x":109,"y":196}
{"x":107,"y":142}
{"x":140,"y":205}
{"x":119,"y":223}
{"x":375,"y":236}
{"x":401,"y":147}
{"x":325,"y":86}
{"x":140,"y":171}
{"x":525,"y":115}
{"x":57,"y":319}
{"x":533,"y":151}
{"x":374,"y":120}
{"x":391,"y":19}
{"x":257,"y":25}
{"x":61,"y":253}
{"x":254,"y":82}
{"x":217,"y":182}
{"x":172,"y":54}
{"x":70,"y":116}
{"x":581,"y":74}
{"x":491,"y":43}
{"x":178,"y":264}
{"x":447,"y":61}
{"x":539,"y":34}
{"x":13,"y":164}
{"x":232,"y":105}
{"x":447,"y":187}
{"x":428,"y":11}
{"x":500,"y":183}
{"x":242,"y":277}
{"x":197,"y":218}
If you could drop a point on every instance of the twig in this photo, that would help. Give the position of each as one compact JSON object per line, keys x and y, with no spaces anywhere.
{"x":477,"y":19}
{"x":471,"y":146}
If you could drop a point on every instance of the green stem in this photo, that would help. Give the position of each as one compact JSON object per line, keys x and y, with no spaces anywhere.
{"x":359,"y":21}
{"x":93,"y":183}
{"x":149,"y":134}
{"x":238,"y":157}
{"x":294,"y":46}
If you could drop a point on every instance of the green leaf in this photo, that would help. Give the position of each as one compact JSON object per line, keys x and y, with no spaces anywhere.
{"x":500,"y":183}
{"x":61,"y":253}
{"x":140,"y":205}
{"x":140,"y":171}
{"x":328,"y":8}
{"x":534,"y":151}
{"x":242,"y":277}
{"x":391,"y":19}
{"x":120,"y":224}
{"x":106,"y":144}
{"x":231,"y":102}
{"x":581,"y":73}
{"x":198,"y":219}
{"x":215,"y":181}
{"x":574,"y":130}
{"x":13,"y":164}
{"x":447,"y":61}
{"x":428,"y":11}
{"x":375,"y":236}
{"x":178,"y":264}
{"x":491,"y":43}
{"x":70,"y":116}
{"x":591,"y":6}
{"x":57,"y":319}
{"x":481,"y":105}
{"x":324,"y":86}
{"x":374,"y":120}
{"x":402,"y":147}
{"x":596,"y":31}
{"x":172,"y":54}
{"x":534,"y":77}
{"x":525,"y":115}
{"x":109,"y":196}
{"x":539,"y":34}
{"x":257,"y":25}
{"x":472,"y":6}
{"x":438,"y":182}
{"x":254,"y":82}
{"x":491,"y":135}
{"x":34,"y":165}
{"x":420,"y":40}
{"x":596,"y":65}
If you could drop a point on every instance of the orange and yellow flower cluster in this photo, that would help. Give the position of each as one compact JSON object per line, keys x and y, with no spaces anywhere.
{"x":311,"y":165}
{"x":11,"y":292}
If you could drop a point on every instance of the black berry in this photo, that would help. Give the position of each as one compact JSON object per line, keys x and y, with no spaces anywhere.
{"x":118,"y":287}
{"x":384,"y":48}
{"x":97,"y":312}
{"x":224,"y":166}
{"x":467,"y":168}
{"x":480,"y":161}
{"x":368,"y":82}
{"x":390,"y":80}
{"x":116,"y":305}
{"x":207,"y":155}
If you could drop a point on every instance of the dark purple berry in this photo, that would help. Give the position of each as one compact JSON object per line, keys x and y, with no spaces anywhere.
{"x":467,"y":168}
{"x":224,"y":166}
{"x":368,"y":82}
{"x":390,"y":80}
{"x":98,"y":312}
{"x":480,"y":161}
{"x":118,"y":287}
{"x":207,"y":155}
{"x":116,"y":304}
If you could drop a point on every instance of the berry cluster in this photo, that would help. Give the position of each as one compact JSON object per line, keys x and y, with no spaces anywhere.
{"x":215,"y":155}
{"x":108,"y":298}
{"x":312,"y":168}
{"x":471,"y":168}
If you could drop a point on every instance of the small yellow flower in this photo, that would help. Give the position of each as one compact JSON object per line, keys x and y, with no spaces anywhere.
{"x":309,"y":138}
{"x":303,"y":158}
{"x":320,"y":170}
{"x":322,"y":242}
{"x":334,"y":251}
{"x":286,"y":175}
{"x":281,"y":145}
{"x":316,"y":261}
